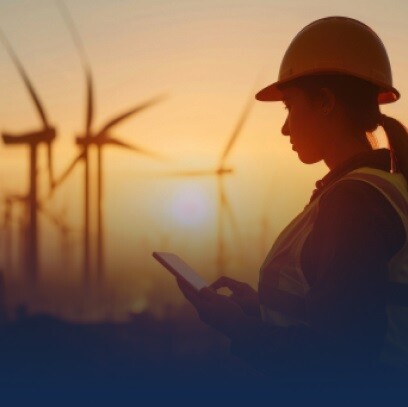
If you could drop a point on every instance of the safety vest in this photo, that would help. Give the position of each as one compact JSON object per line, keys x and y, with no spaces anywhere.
{"x":283,"y":286}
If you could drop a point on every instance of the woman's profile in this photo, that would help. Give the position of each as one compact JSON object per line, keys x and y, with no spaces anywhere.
{"x":332,"y":299}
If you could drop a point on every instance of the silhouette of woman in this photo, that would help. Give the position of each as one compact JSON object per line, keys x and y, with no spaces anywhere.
{"x":332,"y":299}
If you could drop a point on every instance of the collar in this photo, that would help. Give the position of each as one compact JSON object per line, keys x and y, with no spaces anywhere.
{"x":379,"y":159}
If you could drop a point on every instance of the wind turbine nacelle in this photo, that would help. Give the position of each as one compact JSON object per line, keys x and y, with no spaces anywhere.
{"x":84,"y":141}
{"x":98,"y":139}
{"x":222,"y":171}
{"x":35,"y":137}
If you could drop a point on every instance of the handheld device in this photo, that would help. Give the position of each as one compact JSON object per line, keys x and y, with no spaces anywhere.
{"x":179,"y":268}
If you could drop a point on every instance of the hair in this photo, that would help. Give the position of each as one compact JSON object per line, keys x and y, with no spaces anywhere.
{"x":360,"y":99}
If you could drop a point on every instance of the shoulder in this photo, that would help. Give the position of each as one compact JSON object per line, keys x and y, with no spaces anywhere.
{"x":360,"y":207}
{"x":356,"y":229}
{"x":356,"y":193}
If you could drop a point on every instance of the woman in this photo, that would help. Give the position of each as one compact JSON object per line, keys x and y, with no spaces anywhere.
{"x":332,"y":298}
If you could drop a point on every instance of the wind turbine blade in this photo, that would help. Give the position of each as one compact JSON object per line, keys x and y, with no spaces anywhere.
{"x":25,"y":78}
{"x":127,"y":146}
{"x":69,"y":21}
{"x":198,"y":173}
{"x":68,"y":171}
{"x":243,"y":118}
{"x":66,"y":15}
{"x":56,"y":219}
{"x":48,"y":215}
{"x":237,"y":130}
{"x":116,"y":120}
{"x":175,"y":174}
{"x":89,"y":103}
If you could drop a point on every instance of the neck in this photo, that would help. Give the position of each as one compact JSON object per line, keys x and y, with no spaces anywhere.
{"x":343,"y":147}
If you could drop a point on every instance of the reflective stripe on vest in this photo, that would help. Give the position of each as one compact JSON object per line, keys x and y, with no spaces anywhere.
{"x":282,"y":284}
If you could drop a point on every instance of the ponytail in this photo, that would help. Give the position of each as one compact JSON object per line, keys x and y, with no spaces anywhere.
{"x":397,"y":136}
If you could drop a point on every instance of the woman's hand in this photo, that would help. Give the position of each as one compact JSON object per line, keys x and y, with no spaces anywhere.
{"x":242,"y":294}
{"x":216,"y":310}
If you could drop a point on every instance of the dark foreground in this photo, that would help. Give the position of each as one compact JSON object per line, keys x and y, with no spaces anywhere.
{"x":150,"y":358}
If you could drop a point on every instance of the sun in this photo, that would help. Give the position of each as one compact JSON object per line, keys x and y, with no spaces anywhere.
{"x":189,"y":205}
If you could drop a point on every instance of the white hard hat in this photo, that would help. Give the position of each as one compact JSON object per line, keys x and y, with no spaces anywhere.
{"x":336,"y":45}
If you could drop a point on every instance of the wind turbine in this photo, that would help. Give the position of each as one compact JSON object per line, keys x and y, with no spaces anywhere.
{"x":99,"y":139}
{"x":219,"y":172}
{"x":33,"y":140}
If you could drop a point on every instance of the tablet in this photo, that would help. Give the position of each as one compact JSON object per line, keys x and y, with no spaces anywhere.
{"x":179,"y":268}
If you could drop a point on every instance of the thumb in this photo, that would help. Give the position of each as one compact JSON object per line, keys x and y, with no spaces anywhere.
{"x":207,"y":294}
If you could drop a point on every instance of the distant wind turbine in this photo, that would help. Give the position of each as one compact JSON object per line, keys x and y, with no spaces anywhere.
{"x":32,"y":139}
{"x":99,"y":139}
{"x":219,"y":172}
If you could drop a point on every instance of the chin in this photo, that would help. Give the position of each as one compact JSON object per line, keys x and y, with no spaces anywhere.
{"x":308,"y":159}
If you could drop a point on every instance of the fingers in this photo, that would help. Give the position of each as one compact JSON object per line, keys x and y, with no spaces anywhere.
{"x":208,"y":294}
{"x":228,"y":282}
{"x":223,"y":281}
{"x":200,"y":298}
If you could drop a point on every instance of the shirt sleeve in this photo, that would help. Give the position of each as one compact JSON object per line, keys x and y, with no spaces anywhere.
{"x":345,"y":259}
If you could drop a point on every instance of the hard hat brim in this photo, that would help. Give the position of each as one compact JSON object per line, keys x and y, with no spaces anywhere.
{"x":272,"y":93}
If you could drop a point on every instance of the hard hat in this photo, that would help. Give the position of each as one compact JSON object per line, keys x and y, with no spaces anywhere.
{"x":335,"y":45}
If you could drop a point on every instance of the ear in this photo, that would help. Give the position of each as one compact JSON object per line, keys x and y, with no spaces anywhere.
{"x":326,"y":101}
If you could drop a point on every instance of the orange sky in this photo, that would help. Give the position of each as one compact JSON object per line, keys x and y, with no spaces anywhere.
{"x":207,"y":57}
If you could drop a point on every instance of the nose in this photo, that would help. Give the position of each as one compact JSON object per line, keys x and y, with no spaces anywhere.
{"x":285,"y":128}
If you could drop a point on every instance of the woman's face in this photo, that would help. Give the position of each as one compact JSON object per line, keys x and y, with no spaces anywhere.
{"x":304,"y":125}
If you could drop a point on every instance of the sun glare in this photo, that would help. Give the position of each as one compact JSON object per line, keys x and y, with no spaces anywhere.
{"x":189,"y":205}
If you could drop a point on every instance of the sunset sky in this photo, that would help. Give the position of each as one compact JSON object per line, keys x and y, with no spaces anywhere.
{"x":208,"y":57}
